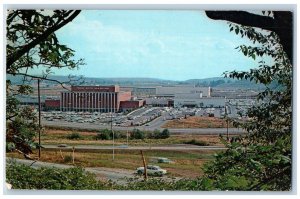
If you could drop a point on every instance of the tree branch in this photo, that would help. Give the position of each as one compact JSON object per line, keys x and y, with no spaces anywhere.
{"x":19,"y":53}
{"x":281,"y":24}
{"x":243,"y":18}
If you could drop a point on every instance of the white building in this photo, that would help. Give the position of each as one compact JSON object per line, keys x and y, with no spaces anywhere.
{"x":197,"y":100}
{"x":170,"y":91}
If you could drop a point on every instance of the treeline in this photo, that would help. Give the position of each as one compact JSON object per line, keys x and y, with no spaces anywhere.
{"x":135,"y":134}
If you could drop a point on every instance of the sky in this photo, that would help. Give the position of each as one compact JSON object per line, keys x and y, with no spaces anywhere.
{"x":165,"y":44}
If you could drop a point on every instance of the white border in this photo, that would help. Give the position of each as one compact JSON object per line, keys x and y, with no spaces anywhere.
{"x":154,"y":4}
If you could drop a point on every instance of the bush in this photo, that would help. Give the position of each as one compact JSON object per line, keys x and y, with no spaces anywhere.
{"x":25,"y":177}
{"x":154,"y":135}
{"x":159,"y":135}
{"x":165,"y":134}
{"x":197,"y":142}
{"x":67,"y":158}
{"x":137,"y":134}
{"x":74,"y":136}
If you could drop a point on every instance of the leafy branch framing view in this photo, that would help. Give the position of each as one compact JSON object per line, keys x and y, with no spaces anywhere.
{"x":259,"y":160}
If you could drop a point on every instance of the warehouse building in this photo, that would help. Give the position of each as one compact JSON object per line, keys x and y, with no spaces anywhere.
{"x":170,"y":91}
{"x":93,"y":98}
{"x":196,"y":100}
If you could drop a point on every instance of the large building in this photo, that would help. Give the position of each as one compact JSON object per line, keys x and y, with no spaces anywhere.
{"x":196,"y":100}
{"x":93,"y":98}
{"x":170,"y":91}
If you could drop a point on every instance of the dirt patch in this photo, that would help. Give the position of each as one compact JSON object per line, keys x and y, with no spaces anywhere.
{"x":197,"y":122}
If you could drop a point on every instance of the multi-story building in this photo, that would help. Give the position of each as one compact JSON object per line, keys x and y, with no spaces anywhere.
{"x":93,"y":98}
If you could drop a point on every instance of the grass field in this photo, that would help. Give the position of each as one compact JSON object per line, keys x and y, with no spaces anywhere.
{"x":197,"y":122}
{"x":52,"y":136}
{"x":186,"y":164}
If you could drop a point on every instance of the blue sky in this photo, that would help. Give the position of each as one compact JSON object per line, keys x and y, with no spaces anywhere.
{"x":174,"y":45}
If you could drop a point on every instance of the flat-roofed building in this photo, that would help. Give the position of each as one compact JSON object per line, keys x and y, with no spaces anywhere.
{"x":93,"y":98}
{"x":196,"y":100}
{"x":170,"y":91}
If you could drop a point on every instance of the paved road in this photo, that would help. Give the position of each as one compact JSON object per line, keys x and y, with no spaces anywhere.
{"x":174,"y":147}
{"x":155,"y":124}
{"x":102,"y":173}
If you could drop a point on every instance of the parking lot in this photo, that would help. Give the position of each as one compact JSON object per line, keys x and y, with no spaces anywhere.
{"x":138,"y":117}
{"x":145,"y":115}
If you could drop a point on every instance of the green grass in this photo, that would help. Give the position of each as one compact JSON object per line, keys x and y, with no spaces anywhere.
{"x":186,"y":163}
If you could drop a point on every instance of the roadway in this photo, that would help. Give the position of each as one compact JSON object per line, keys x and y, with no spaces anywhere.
{"x":157,"y":124}
{"x":173,"y":147}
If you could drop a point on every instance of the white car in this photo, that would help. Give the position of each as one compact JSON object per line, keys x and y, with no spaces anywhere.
{"x":152,"y":170}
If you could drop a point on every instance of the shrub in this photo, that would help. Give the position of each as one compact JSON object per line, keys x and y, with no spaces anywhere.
{"x":67,"y":158}
{"x":25,"y":177}
{"x":165,"y":134}
{"x":74,"y":136}
{"x":137,"y":134}
{"x":197,"y":142}
{"x":108,"y":135}
{"x":103,"y":136}
{"x":159,"y":135}
{"x":154,"y":135}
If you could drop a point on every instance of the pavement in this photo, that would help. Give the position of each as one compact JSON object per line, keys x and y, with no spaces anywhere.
{"x":116,"y":175}
{"x":173,"y":147}
{"x":155,"y":124}
{"x":119,"y":176}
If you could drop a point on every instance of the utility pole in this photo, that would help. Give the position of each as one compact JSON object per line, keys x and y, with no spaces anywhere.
{"x":113,"y":136}
{"x":127,"y":138}
{"x":227,"y":122}
{"x":145,"y":166}
{"x":39,"y":101}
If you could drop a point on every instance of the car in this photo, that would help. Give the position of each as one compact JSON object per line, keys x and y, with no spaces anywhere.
{"x":152,"y":170}
{"x":164,"y":160}
{"x":62,"y":145}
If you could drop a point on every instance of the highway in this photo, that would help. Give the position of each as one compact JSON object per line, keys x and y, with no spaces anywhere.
{"x":174,"y":147}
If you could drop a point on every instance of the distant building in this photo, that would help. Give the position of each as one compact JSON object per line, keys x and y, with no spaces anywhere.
{"x":131,"y":105}
{"x":196,"y":100}
{"x":170,"y":91}
{"x":93,"y":98}
{"x":159,"y":102}
{"x":52,"y":104}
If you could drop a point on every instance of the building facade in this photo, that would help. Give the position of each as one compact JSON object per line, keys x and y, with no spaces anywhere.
{"x":196,"y":100}
{"x":93,"y":98}
{"x":170,"y":91}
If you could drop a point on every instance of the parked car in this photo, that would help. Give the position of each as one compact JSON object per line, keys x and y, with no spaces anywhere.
{"x":164,"y":160}
{"x":152,"y":170}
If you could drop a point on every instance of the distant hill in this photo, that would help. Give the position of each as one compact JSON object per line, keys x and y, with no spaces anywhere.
{"x":225,"y":83}
{"x":102,"y":81}
{"x":214,"y":82}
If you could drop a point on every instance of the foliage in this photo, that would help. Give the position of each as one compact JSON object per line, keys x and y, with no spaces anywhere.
{"x":74,"y":136}
{"x":32,"y":44}
{"x":109,"y":135}
{"x":156,"y":134}
{"x":165,"y":134}
{"x":137,"y":134}
{"x":197,"y":142}
{"x":159,"y":184}
{"x":25,"y":177}
{"x":260,"y":160}
{"x":67,"y":158}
